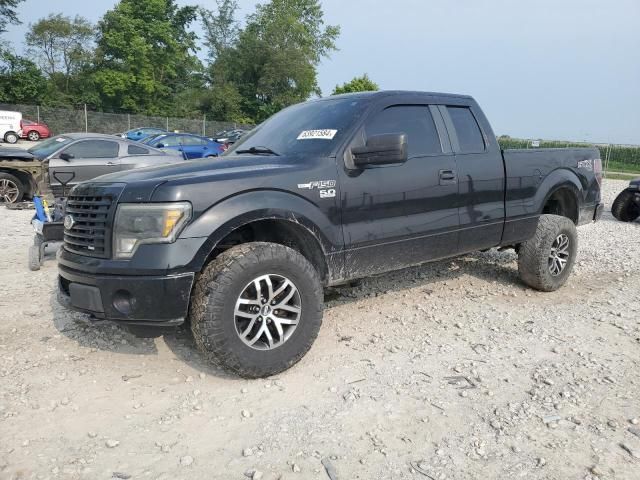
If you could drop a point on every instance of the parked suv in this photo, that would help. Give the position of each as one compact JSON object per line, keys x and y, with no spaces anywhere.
{"x":321,"y":193}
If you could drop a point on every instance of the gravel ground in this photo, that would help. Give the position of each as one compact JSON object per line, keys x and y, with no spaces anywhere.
{"x":452,"y":370}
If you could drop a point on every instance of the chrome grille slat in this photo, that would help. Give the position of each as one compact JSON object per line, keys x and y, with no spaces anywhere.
{"x":91,"y":214}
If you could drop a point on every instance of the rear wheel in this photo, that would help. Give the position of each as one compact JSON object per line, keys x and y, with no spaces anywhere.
{"x":257,"y":309}
{"x":545,"y":261}
{"x":624,"y":207}
{"x":11,"y":189}
{"x":33,"y":136}
{"x":11,"y":137}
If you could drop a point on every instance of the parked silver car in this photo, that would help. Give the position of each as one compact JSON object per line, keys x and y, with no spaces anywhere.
{"x":73,"y":158}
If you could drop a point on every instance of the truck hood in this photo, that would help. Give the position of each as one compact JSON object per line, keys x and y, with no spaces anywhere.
{"x":167,"y":180}
{"x":199,"y":170}
{"x":16,"y":153}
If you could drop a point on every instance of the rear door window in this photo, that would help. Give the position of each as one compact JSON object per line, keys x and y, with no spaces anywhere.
{"x":93,"y":149}
{"x":170,"y":141}
{"x":467,"y":129}
{"x":413,"y":120}
{"x":136,"y":150}
{"x":192,"y":141}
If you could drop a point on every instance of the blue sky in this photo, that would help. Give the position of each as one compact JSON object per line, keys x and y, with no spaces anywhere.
{"x":555,"y":69}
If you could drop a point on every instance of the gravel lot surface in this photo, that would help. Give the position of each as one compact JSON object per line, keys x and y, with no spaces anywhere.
{"x":452,"y":370}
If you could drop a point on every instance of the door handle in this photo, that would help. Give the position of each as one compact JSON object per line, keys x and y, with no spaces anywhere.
{"x":111,"y":163}
{"x":447,"y":176}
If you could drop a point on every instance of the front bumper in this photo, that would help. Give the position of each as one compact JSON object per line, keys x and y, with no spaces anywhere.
{"x":142,"y":300}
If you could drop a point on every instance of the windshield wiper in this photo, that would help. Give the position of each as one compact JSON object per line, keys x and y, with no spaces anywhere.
{"x":259,"y":151}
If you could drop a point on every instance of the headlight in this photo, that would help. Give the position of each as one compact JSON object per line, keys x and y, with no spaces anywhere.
{"x":137,"y":224}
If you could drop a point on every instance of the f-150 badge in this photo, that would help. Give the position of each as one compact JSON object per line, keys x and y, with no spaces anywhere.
{"x":325,"y":187}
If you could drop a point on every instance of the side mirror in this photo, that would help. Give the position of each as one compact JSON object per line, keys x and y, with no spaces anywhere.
{"x":160,"y":145}
{"x":65,"y":156}
{"x":385,"y":149}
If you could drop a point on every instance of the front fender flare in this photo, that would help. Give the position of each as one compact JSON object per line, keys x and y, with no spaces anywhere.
{"x":230,"y":214}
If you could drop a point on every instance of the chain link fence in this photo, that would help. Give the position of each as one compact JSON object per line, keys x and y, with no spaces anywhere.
{"x":66,"y":120}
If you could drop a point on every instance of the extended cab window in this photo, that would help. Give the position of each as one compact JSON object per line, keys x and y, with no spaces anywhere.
{"x":93,"y":149}
{"x":467,"y":129}
{"x":413,"y":120}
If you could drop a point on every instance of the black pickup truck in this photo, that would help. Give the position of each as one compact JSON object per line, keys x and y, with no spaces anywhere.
{"x":321,"y":193}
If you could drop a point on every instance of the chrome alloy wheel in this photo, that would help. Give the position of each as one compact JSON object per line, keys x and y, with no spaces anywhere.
{"x":8,"y":191}
{"x":559,"y":255}
{"x":267,"y":312}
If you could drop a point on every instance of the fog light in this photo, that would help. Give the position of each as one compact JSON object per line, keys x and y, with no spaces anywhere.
{"x":123,"y":302}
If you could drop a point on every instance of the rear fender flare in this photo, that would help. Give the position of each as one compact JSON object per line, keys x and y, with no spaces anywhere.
{"x":556,"y":180}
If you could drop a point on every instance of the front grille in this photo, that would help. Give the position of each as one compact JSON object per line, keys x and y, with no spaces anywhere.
{"x":90,"y":232}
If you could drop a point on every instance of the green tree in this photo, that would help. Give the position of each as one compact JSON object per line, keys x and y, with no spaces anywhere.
{"x":21,"y":81}
{"x":357,"y":84}
{"x":221,"y":28}
{"x":145,"y":55}
{"x":274,"y":62}
{"x":8,"y":13}
{"x":62,"y":46}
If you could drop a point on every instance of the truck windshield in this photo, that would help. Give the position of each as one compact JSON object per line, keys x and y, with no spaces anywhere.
{"x":312,"y":128}
{"x":43,"y":149}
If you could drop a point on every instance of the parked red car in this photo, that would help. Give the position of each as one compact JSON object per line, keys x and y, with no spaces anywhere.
{"x":34,"y":131}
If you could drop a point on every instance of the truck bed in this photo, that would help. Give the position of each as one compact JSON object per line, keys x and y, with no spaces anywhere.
{"x":533,"y":175}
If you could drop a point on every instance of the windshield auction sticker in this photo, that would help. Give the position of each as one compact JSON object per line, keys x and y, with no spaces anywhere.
{"x":317,"y":135}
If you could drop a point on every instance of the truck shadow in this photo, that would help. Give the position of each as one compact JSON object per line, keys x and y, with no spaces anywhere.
{"x":491,"y":266}
{"x":98,"y":334}
{"x":116,"y":338}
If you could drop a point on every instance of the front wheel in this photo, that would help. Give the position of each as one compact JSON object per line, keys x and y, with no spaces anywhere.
{"x":11,"y":188}
{"x":257,"y":309}
{"x":624,"y":207}
{"x":545,"y":261}
{"x":11,"y":137}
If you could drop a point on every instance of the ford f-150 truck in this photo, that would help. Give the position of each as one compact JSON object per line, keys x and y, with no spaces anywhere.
{"x":321,"y":193}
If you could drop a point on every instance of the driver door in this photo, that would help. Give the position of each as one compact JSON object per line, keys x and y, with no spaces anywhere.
{"x":85,"y":160}
{"x":400,"y":215}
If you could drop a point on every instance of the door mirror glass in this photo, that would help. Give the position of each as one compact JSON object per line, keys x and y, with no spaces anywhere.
{"x":385,"y":149}
{"x":66,"y":156}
